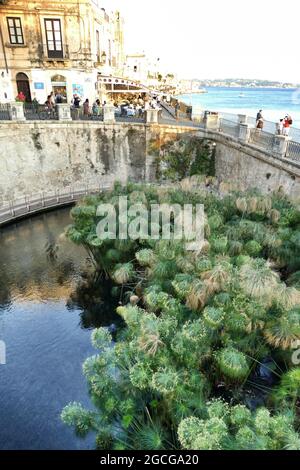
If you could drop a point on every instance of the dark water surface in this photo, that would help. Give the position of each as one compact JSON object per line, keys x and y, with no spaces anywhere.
{"x":46,"y":325}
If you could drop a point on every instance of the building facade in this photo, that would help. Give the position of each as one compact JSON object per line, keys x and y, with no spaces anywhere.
{"x":57,"y":46}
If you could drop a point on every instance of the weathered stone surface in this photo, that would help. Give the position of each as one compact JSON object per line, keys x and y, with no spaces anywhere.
{"x":251,"y":168}
{"x":47,"y":156}
{"x":36,"y":157}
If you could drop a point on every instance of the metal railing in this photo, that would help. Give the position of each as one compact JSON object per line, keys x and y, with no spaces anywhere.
{"x":229,"y":127}
{"x":293,"y":151}
{"x":263,"y":140}
{"x":77,"y":114}
{"x":24,"y":206}
{"x":4,"y":113}
{"x":56,"y":55}
{"x":39,"y":112}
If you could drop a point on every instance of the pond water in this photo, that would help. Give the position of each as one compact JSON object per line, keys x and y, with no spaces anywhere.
{"x":45,"y":322}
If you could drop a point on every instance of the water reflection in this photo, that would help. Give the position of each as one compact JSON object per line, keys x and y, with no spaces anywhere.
{"x":48,"y":304}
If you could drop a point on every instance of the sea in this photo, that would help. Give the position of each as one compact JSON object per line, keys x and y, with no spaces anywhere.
{"x":275,"y":102}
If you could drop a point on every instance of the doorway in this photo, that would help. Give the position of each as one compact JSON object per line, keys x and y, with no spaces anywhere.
{"x":23,"y":86}
{"x":59,"y":86}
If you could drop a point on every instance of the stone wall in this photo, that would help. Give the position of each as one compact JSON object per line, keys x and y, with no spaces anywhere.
{"x":242,"y":165}
{"x":247,"y":167}
{"x":47,"y":156}
{"x":36,"y":157}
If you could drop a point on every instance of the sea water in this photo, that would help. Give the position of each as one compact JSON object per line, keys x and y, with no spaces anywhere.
{"x":275,"y":102}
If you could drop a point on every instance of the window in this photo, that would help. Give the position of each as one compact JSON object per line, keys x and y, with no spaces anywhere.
{"x":54,"y":38}
{"x":15,"y":30}
{"x":98,"y":46}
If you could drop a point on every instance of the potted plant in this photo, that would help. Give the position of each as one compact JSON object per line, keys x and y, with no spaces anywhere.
{"x":20,"y":98}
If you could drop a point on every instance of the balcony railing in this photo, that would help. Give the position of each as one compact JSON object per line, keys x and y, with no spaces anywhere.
{"x":56,"y":54}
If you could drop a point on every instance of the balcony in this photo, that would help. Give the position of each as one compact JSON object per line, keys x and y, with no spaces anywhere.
{"x":55,"y":54}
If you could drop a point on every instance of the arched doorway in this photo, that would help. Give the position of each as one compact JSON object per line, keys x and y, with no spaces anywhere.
{"x":59,"y":86}
{"x":23,"y":86}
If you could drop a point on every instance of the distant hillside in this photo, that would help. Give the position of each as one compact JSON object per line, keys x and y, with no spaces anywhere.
{"x":241,"y":82}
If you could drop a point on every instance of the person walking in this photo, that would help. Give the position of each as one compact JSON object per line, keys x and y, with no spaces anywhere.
{"x":279,"y":127}
{"x":76,"y":105}
{"x":86,"y":108}
{"x":259,"y":120}
{"x":58,"y":98}
{"x":260,"y":124}
{"x":49,"y":107}
{"x":96,"y":108}
{"x":52,"y":98}
{"x":259,"y":115}
{"x":287,"y":125}
{"x":76,"y":101}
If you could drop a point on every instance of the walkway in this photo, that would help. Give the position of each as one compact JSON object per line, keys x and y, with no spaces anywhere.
{"x":24,"y":207}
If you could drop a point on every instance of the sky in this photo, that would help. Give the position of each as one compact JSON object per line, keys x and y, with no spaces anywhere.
{"x":216,"y":38}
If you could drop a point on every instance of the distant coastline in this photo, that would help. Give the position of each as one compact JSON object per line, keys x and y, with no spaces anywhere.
{"x":243,"y":83}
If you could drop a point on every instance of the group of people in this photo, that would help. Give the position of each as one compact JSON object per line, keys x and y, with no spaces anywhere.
{"x":282,"y":127}
{"x":135,"y":106}
{"x":53,"y":99}
{"x":138,"y":106}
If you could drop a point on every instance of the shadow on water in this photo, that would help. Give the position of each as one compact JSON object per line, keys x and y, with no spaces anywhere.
{"x":98,"y":307}
{"x":49,"y":302}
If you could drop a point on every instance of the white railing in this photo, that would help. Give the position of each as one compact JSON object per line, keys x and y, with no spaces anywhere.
{"x":293,"y":151}
{"x":27,"y":205}
{"x":261,"y":139}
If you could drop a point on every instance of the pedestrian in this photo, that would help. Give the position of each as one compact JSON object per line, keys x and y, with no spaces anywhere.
{"x":177,"y":107}
{"x":260,"y":124}
{"x":58,"y":98}
{"x":86,"y":108}
{"x":96,"y":108}
{"x":76,"y":101}
{"x":259,"y":116}
{"x":259,"y":120}
{"x":279,"y":127}
{"x":76,"y":105}
{"x":287,"y":125}
{"x":52,"y":99}
{"x":49,"y":106}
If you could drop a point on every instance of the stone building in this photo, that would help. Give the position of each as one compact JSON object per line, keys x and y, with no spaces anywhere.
{"x":60,"y":46}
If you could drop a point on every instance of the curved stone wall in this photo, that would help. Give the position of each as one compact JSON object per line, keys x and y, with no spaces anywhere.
{"x":42,"y":156}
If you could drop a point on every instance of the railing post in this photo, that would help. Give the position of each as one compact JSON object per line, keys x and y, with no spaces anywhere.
{"x":109,"y":113}
{"x":243,"y":118}
{"x":244,"y":132}
{"x":152,"y":116}
{"x":64,"y":112}
{"x":280,"y":145}
{"x":212,"y":121}
{"x":16,"y":111}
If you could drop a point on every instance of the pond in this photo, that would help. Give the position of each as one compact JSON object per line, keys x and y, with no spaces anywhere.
{"x":45,"y":321}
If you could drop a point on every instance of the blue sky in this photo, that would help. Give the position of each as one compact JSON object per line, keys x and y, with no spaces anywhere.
{"x":217,"y":38}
